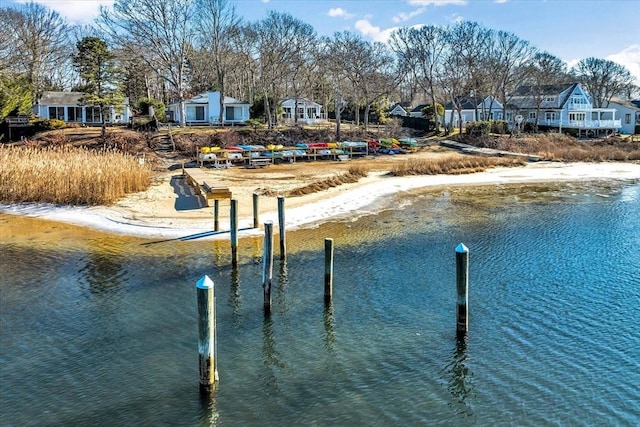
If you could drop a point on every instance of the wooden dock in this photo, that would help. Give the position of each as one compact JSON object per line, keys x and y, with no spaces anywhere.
{"x":204,"y":184}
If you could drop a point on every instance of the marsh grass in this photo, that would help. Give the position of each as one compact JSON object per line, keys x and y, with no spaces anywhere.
{"x":559,"y":147}
{"x":455,"y":165}
{"x":69,"y":175}
{"x":352,"y":175}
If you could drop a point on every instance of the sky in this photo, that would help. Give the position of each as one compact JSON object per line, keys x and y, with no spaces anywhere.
{"x":569,"y":29}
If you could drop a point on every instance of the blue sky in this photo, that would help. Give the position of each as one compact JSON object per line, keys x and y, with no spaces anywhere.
{"x":570,"y":29}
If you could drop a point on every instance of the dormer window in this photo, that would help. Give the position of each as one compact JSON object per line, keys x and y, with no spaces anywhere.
{"x":549,"y":99}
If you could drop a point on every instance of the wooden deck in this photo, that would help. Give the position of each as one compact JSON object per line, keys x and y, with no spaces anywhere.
{"x":205,"y":185}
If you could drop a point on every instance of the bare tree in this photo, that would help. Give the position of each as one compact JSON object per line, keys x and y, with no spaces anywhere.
{"x":508,"y":58}
{"x":421,"y":51}
{"x":281,"y":44}
{"x":160,"y":32}
{"x":218,"y":28}
{"x":544,"y":70}
{"x":37,"y":46}
{"x":603,"y":79}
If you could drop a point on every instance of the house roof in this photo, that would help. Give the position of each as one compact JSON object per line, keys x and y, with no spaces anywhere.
{"x":301,"y":101}
{"x":636,"y":102}
{"x":525,"y":96}
{"x":398,"y":105}
{"x":203,"y":98}
{"x":465,"y":102}
{"x":66,"y":98}
{"x":418,"y":109}
{"x":60,"y":98}
{"x":634,"y":105}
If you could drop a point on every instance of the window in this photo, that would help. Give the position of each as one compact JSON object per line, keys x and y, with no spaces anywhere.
{"x":56,"y":113}
{"x":549,"y":99}
{"x":550,"y":115}
{"x":627,"y":119}
{"x":93,"y":114}
{"x":575,"y":117}
{"x":74,"y":114}
{"x":532,"y":115}
{"x":195,"y":113}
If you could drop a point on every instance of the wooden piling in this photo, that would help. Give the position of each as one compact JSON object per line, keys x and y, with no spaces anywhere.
{"x":216,"y":215}
{"x":267,"y":265}
{"x":328,"y":269}
{"x":207,"y":344}
{"x":462,"y":284}
{"x":256,"y":219}
{"x":233,"y":219}
{"x":283,"y":244}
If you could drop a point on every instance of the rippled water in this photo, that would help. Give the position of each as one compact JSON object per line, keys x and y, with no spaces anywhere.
{"x":101,"y":330}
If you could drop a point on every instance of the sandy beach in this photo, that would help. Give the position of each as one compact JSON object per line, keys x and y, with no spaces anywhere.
{"x":170,"y":209}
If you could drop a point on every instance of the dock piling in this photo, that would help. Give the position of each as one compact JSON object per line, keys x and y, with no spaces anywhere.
{"x":207,"y":343}
{"x":267,"y":265}
{"x":328,"y":269}
{"x":216,"y":215}
{"x":462,"y":284}
{"x":234,"y":232}
{"x":283,"y":244}
{"x":256,"y":219}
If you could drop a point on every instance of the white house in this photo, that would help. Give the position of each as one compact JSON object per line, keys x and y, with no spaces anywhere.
{"x":629,"y":115}
{"x":472,"y":109}
{"x":562,"y":107}
{"x":204,"y":108}
{"x":398,"y":110}
{"x":303,"y":109}
{"x":68,"y":106}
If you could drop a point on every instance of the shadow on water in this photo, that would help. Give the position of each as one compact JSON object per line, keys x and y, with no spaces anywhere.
{"x":104,"y":271}
{"x":461,"y":384}
{"x":187,"y":198}
{"x":235,"y":299}
{"x":283,"y":281}
{"x":194,"y":236}
{"x":271,"y":358}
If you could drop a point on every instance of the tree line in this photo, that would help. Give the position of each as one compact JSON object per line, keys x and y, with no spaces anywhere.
{"x":169,"y":50}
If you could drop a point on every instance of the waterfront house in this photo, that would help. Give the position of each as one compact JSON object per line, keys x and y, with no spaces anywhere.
{"x":629,"y":114}
{"x":301,"y":110}
{"x":398,"y":110}
{"x":561,"y":107}
{"x":204,"y":108}
{"x":417,"y":111}
{"x":68,"y":107}
{"x":472,"y":109}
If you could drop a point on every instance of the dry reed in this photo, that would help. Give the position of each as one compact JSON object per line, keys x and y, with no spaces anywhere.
{"x":452,"y":165}
{"x":352,"y":175}
{"x":69,"y":175}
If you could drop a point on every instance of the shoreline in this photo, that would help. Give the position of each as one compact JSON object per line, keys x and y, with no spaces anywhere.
{"x":155,"y":214}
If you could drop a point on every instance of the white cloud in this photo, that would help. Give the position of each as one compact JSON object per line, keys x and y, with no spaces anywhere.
{"x":402,"y":17}
{"x":75,"y":11}
{"x":437,"y":2}
{"x":629,"y":57}
{"x":500,"y":1}
{"x":339,"y":12}
{"x":374,"y":32}
{"x":454,"y":18}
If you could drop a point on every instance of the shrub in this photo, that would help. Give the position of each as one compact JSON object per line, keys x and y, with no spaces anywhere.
{"x":158,"y":107}
{"x":477,"y":129}
{"x":499,"y":126}
{"x":42,"y":125}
